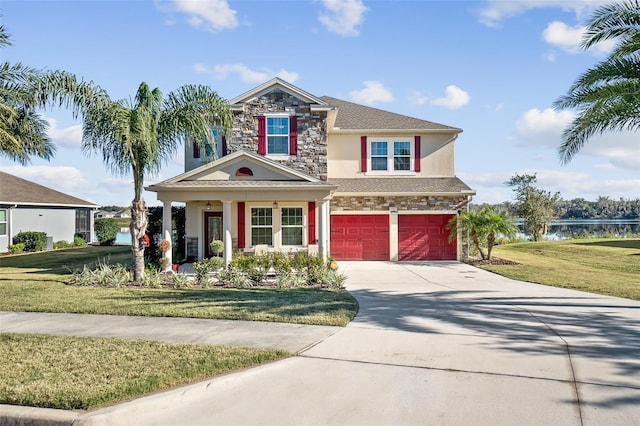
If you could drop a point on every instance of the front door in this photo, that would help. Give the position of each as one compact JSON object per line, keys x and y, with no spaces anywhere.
{"x":212,"y":230}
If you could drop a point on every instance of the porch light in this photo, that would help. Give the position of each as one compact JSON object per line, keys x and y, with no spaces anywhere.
{"x":208,"y":206}
{"x":275,"y":205}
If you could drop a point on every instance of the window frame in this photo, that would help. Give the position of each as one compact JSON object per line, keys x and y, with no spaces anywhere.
{"x":258,"y":226}
{"x":276,"y":224}
{"x":286,"y":136}
{"x":4,"y":222}
{"x":301,"y":226}
{"x":390,"y":156}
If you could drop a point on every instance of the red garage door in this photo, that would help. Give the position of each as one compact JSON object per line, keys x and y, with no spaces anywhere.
{"x":360,"y":237}
{"x":425,"y":237}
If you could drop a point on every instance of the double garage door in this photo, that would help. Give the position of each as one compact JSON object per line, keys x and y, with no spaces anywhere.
{"x":366,"y":237}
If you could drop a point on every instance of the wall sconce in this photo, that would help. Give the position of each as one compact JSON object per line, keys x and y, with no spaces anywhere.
{"x":208,"y":207}
{"x":275,"y":205}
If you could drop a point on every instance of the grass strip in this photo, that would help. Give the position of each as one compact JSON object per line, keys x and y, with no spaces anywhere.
{"x":80,"y":373}
{"x":603,"y":266}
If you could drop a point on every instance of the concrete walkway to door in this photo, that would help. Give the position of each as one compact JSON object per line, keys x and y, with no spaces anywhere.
{"x":433,"y":343}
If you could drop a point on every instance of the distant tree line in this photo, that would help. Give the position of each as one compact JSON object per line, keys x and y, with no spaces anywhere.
{"x":579,"y":208}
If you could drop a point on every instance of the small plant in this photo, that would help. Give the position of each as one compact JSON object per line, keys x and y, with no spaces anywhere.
{"x":233,"y":277}
{"x":216,"y":263}
{"x":202,"y":270}
{"x":164,"y":246}
{"x":334,"y":279}
{"x":152,"y":278}
{"x":181,"y":281}
{"x":102,"y":273}
{"x":16,"y":248}
{"x":164,"y":263}
{"x":217,"y":247}
{"x":79,"y":242}
{"x":62,"y":244}
{"x":106,"y":230}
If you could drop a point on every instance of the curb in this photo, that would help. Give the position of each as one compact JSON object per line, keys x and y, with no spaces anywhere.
{"x":16,"y":415}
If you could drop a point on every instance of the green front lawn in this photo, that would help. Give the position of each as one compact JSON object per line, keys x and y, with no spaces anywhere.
{"x":84,"y":373}
{"x":604,"y":266}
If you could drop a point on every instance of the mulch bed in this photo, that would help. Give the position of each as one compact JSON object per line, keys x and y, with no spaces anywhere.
{"x":494,"y":261}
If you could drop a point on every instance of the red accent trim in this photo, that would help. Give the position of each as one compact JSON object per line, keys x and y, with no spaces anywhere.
{"x":311,"y":218}
{"x":241,"y":229}
{"x":363,"y":153}
{"x":196,"y":149}
{"x":416,"y":154}
{"x":262,"y":135}
{"x":293,"y":135}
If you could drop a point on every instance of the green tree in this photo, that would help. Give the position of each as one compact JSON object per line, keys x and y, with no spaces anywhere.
{"x":137,"y":137}
{"x":483,"y":226}
{"x":106,"y":230}
{"x":536,"y":207}
{"x":23,"y":132}
{"x":606,"y":96}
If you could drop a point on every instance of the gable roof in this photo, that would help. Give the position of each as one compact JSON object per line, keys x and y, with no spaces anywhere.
{"x":15,"y":190}
{"x":353,"y":116}
{"x":208,"y":175}
{"x":278,"y":83}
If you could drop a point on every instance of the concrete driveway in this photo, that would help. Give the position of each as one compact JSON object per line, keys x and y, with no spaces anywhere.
{"x":434,"y":343}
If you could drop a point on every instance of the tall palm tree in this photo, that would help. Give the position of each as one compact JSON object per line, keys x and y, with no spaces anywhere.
{"x":482,"y":226}
{"x":137,"y":137}
{"x":23,"y":132}
{"x":607,"y":96}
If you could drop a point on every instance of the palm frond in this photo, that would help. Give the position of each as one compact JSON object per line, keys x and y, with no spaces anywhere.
{"x":612,"y":21}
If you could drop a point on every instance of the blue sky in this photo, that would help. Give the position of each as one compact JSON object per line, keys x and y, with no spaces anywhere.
{"x":492,"y":68}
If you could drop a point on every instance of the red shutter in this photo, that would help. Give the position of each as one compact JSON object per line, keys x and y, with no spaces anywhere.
{"x":262,"y":135}
{"x":196,"y":149}
{"x":293,"y":135}
{"x":311,"y":219}
{"x":416,"y":154}
{"x":241,"y":229}
{"x":363,"y":153}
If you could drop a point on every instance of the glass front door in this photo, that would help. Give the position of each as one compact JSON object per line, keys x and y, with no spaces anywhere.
{"x":212,"y":230}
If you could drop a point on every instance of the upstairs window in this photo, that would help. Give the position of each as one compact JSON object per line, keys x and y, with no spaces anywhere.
{"x":379,"y":158}
{"x":277,"y":135}
{"x":402,"y":156}
{"x":391,"y":156}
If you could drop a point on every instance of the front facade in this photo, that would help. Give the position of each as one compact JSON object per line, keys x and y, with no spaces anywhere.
{"x":320,"y":174}
{"x":27,"y":206}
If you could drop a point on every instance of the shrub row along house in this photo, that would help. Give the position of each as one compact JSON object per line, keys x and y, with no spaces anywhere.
{"x":26,"y":206}
{"x":318,"y":173}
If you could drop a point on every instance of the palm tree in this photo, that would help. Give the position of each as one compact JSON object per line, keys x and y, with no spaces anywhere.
{"x":607,"y":95}
{"x":139,"y":136}
{"x":23,"y":132}
{"x":482,"y":226}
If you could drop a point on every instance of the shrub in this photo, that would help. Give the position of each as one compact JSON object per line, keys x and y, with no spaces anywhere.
{"x":102,"y":273}
{"x":181,"y":281}
{"x":163,"y":263}
{"x":62,"y":244}
{"x":32,"y":240}
{"x":232,"y":276}
{"x":16,"y":248}
{"x":206,"y":266}
{"x":106,"y":230}
{"x":216,"y":247}
{"x":334,"y":279}
{"x":79,"y":242}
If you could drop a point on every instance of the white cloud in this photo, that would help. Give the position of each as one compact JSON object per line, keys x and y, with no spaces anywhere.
{"x":542,"y":127}
{"x":343,"y":17}
{"x":373,"y":91}
{"x":496,"y":11}
{"x":61,"y":178}
{"x":68,"y":137}
{"x":568,"y":38}
{"x":418,"y":98}
{"x":454,"y":98}
{"x":213,"y":15}
{"x":247,"y":75}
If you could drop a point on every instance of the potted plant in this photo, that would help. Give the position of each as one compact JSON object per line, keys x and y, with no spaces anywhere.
{"x":216,"y":246}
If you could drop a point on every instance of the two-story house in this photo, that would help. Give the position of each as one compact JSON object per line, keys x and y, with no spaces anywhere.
{"x":302,"y":171}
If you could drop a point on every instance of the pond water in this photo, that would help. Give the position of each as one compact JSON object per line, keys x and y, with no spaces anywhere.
{"x":582,"y":228}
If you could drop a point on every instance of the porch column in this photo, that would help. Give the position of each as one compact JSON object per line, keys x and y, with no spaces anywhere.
{"x":226,"y":230}
{"x":323,"y":230}
{"x":166,"y":233}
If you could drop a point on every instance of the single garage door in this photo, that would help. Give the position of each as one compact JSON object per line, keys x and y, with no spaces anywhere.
{"x":360,"y":237}
{"x":425,"y":237}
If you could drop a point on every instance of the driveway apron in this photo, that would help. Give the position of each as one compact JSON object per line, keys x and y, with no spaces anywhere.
{"x":434,"y":343}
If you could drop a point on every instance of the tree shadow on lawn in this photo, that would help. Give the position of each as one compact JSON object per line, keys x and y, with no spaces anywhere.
{"x":627,"y":243}
{"x":596,"y":331}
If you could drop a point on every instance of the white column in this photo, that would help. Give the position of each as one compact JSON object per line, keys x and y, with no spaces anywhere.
{"x":393,"y":234}
{"x":226,"y":229}
{"x":322,"y":232}
{"x":166,"y":232}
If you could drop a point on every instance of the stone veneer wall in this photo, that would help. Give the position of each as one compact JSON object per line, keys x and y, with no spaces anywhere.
{"x":312,"y":131}
{"x":402,"y":203}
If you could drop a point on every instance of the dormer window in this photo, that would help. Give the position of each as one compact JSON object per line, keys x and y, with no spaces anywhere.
{"x":277,"y":135}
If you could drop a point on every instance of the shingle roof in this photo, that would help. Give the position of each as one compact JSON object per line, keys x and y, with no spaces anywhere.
{"x":360,"y":117}
{"x":15,"y":190}
{"x":240,"y":184}
{"x":407,"y":186}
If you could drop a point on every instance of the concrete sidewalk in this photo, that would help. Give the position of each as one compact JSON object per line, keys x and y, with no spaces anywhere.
{"x":433,"y":343}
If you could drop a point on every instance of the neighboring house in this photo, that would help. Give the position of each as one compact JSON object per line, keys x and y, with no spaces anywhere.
{"x":102,"y":214}
{"x":126,"y":213}
{"x":302,"y":171}
{"x":27,"y":206}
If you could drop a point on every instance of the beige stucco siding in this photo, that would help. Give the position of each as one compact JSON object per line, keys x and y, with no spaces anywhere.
{"x":436,"y":149}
